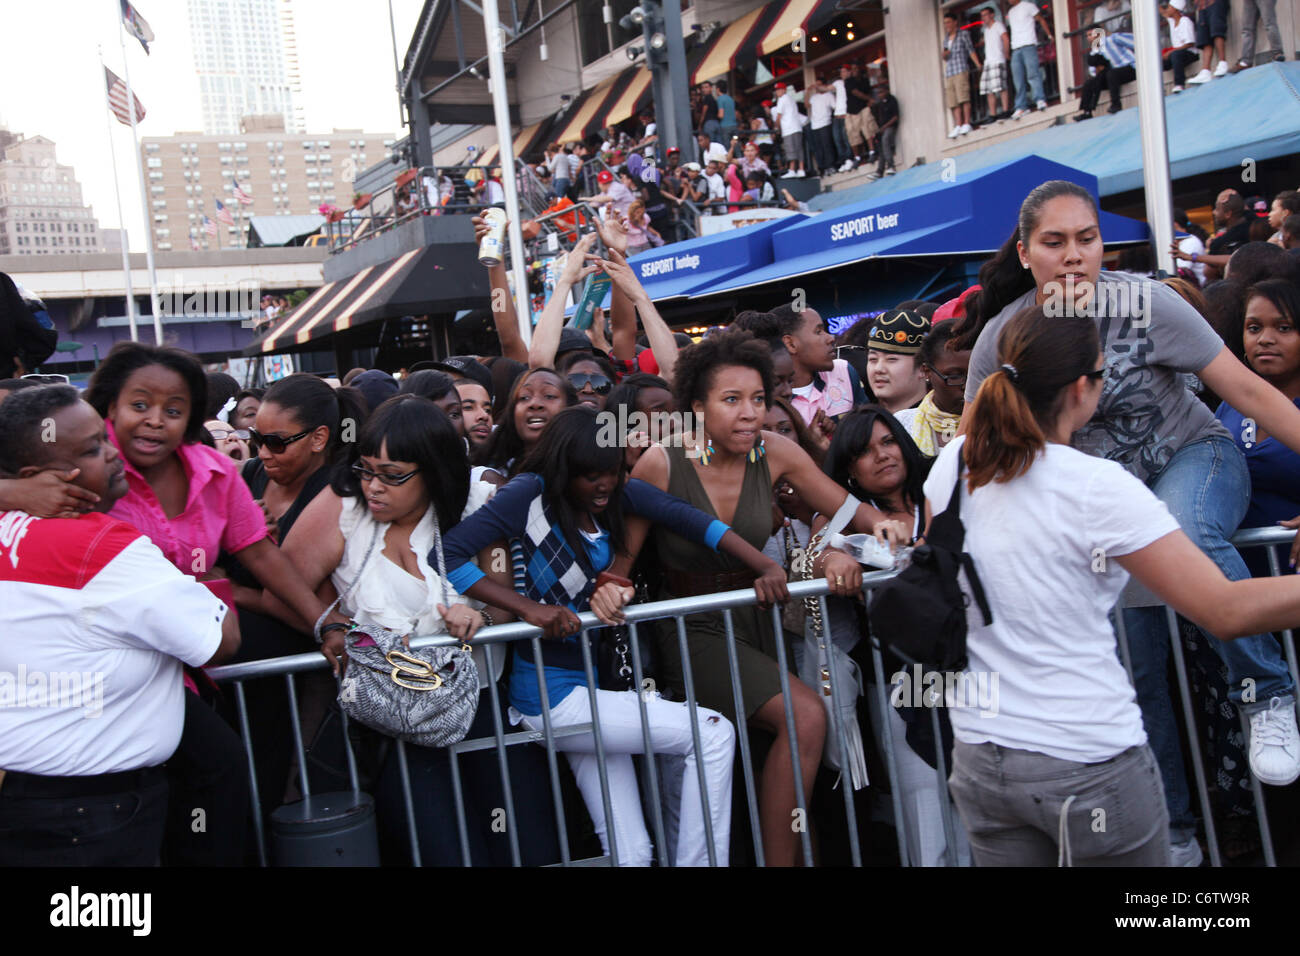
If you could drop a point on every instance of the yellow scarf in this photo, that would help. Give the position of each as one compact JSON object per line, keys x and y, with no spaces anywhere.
{"x":930,"y":421}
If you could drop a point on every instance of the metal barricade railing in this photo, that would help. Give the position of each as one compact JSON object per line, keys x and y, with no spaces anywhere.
{"x":678,"y":610}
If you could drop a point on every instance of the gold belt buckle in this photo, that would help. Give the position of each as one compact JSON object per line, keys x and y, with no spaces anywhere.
{"x":407,"y":670}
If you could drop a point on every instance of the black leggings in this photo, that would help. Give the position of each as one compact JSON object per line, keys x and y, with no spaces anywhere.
{"x":207,"y":814}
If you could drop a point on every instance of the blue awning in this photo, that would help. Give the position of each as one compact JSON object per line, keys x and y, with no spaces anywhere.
{"x":973,"y":215}
{"x":1210,"y":127}
{"x":697,"y":266}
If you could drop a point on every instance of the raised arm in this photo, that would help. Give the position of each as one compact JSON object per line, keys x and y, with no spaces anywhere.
{"x":657,"y":332}
{"x":546,"y":336}
{"x":504,"y":315}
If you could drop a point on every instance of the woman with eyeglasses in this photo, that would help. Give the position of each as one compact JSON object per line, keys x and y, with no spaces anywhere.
{"x":1149,"y":422}
{"x":409,"y":477}
{"x":934,"y":422}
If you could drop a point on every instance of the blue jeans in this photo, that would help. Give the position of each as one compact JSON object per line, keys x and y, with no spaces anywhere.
{"x":842,"y":149}
{"x":560,"y":188}
{"x":1024,"y":74}
{"x":1207,"y":488}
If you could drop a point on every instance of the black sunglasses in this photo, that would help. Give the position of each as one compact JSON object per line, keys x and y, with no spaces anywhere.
{"x":365,"y":474}
{"x":599,"y":383}
{"x":274,"y":443}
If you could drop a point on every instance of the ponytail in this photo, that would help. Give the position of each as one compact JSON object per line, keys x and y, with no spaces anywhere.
{"x":313,"y":404}
{"x":1003,"y":279}
{"x":1016,"y":405}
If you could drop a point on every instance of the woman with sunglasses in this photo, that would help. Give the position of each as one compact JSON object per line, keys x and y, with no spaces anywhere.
{"x":591,"y":377}
{"x":299,"y":431}
{"x":934,"y":422}
{"x":1148,"y":421}
{"x":1055,"y":534}
{"x":409,"y":481}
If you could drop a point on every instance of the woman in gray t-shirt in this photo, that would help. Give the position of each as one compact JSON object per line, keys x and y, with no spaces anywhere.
{"x":1150,"y":423}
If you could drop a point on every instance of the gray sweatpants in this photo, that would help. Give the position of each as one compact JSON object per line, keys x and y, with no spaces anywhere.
{"x":1013,"y":803}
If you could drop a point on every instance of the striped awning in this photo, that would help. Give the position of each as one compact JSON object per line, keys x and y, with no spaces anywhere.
{"x":488,"y":156}
{"x":720,"y":57}
{"x":437,"y":278}
{"x":586,"y":114}
{"x":795,"y":19}
{"x":635,"y":86}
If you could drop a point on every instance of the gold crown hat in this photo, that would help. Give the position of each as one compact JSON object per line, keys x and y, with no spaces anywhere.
{"x":899,"y":330}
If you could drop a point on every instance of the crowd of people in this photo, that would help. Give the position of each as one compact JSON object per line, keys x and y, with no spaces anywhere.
{"x":168,"y":520}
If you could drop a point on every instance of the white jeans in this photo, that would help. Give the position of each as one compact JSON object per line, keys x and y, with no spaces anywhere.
{"x":670,"y":733}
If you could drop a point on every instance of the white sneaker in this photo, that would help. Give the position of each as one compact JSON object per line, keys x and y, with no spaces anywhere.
{"x":1019,"y":113}
{"x":890,"y":171}
{"x":1203,"y":77}
{"x":1042,"y":104}
{"x":1187,"y":853}
{"x":790,"y":174}
{"x":1275,"y":744}
{"x":954,"y":132}
{"x":1176,"y":89}
{"x":966,"y":129}
{"x":1221,"y":69}
{"x":800,"y":174}
{"x":846,"y":165}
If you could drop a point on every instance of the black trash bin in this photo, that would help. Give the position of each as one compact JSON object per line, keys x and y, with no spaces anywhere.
{"x":326,"y":829}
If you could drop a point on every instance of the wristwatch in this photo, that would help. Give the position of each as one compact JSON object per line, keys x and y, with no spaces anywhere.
{"x":1196,"y":257}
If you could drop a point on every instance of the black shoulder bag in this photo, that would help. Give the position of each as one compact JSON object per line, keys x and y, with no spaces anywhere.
{"x":921,"y":614}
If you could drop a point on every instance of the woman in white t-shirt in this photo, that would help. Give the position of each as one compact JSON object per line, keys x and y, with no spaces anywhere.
{"x":1051,"y":762}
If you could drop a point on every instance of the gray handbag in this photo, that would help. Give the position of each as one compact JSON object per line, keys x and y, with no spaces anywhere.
{"x":426,"y":696}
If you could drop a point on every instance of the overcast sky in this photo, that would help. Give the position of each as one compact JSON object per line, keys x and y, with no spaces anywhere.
{"x":51,"y":83}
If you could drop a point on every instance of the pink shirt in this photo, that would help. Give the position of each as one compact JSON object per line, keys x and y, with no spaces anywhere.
{"x":219,"y":512}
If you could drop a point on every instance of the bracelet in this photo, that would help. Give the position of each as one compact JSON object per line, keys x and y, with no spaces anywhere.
{"x":487,"y":618}
{"x":333,"y":626}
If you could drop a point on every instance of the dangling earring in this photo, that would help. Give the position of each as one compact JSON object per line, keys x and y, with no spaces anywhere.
{"x":758,"y":451}
{"x":707,"y":452}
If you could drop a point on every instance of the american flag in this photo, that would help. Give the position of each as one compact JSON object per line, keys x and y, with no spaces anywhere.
{"x":223,"y":214}
{"x":209,"y":226}
{"x":117,"y":99}
{"x":136,"y":25}
{"x":244,"y":198}
{"x":194,"y":242}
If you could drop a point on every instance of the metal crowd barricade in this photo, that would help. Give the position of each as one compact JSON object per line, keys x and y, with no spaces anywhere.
{"x":677,"y":610}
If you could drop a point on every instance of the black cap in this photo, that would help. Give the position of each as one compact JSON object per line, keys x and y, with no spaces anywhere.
{"x":466,"y":366}
{"x":573,"y":340}
{"x":376,"y":386}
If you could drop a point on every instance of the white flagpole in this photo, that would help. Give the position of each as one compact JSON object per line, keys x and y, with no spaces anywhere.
{"x":154,"y":305}
{"x":117,"y":194}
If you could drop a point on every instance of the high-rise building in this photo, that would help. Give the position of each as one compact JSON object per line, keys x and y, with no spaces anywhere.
{"x":246,"y":58}
{"x":41,"y":212}
{"x":284,"y":174}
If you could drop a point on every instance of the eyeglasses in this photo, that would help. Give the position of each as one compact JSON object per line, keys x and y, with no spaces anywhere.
{"x":220,"y":434}
{"x":599,"y":383}
{"x":952,"y":381}
{"x":365,"y":474}
{"x":274,"y":443}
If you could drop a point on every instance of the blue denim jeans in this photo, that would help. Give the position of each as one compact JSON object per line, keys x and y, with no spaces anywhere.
{"x":1207,"y":488}
{"x":1024,"y":74}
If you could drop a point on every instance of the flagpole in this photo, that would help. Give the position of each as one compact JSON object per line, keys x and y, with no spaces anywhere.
{"x":154,"y":305}
{"x":117,"y":194}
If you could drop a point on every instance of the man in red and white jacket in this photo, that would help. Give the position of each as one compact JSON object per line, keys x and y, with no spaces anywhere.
{"x":96,"y":622}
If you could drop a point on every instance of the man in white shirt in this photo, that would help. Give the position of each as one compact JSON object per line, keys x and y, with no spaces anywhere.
{"x":839,"y":128}
{"x":993,"y":79}
{"x":96,"y":622}
{"x":717,"y":187}
{"x":789,"y":120}
{"x":821,"y":112}
{"x":1023,"y":19}
{"x":1189,"y":243}
{"x":1182,"y":42}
